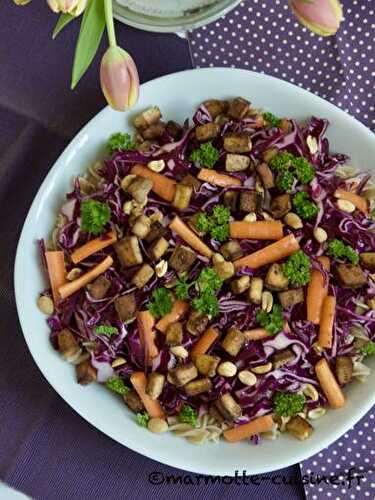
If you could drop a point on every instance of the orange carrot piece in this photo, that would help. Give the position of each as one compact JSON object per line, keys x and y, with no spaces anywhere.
{"x":56,"y":271}
{"x":256,"y":334}
{"x":327,"y":318}
{"x":259,"y":230}
{"x":205,"y":342}
{"x":244,"y":431}
{"x":329,"y":385}
{"x":271,"y":253}
{"x":358,"y":201}
{"x":179,"y":227}
{"x":218,"y":179}
{"x":179,"y":309}
{"x":139,"y":382}
{"x":162,"y":186}
{"x":73,"y":286}
{"x":93,"y":246}
{"x":146,"y":325}
{"x":316,"y":292}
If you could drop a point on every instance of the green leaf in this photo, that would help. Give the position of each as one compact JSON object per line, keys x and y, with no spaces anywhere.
{"x":63,"y":21}
{"x":90,"y":35}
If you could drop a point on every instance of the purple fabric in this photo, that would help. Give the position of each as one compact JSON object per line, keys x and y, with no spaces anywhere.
{"x":47,"y":450}
{"x":263,"y":36}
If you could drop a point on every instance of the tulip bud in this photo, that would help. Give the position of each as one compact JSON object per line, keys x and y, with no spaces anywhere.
{"x":21,"y":2}
{"x":119,"y":79}
{"x":72,"y":7}
{"x":323,"y":17}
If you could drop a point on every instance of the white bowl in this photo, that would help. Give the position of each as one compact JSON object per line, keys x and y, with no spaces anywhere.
{"x":178,"y":95}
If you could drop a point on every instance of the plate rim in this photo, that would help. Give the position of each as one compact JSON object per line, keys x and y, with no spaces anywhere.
{"x":134,"y":446}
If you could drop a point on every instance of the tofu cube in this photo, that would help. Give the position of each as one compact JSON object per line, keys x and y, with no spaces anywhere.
{"x":280,"y":206}
{"x":147,"y":118}
{"x":99,"y":287}
{"x":128,"y":251}
{"x":249,"y":201}
{"x":183,"y":374}
{"x":126,"y":307}
{"x":198,"y":386}
{"x":142,"y":276}
{"x":154,"y":131}
{"x":233,"y":341}
{"x":182,"y":259}
{"x":182,"y":196}
{"x":139,"y":188}
{"x":228,"y":407}
{"x":155,"y":384}
{"x":231,"y":200}
{"x":158,"y":248}
{"x":68,"y":345}
{"x":216,"y":107}
{"x":190,"y":180}
{"x":236,"y":163}
{"x":196,"y":323}
{"x":173,"y":129}
{"x":238,"y":108}
{"x":282,"y":358}
{"x":344,"y":369}
{"x":157,"y":230}
{"x":237,"y":142}
{"x":174,"y":334}
{"x":368,"y":260}
{"x":266,"y":175}
{"x":299,"y":428}
{"x":225,"y":270}
{"x":275,"y":279}
{"x":207,"y":132}
{"x":350,"y":276}
{"x":291,"y":297}
{"x":240,"y":285}
{"x":255,"y":290}
{"x":231,"y":250}
{"x":207,"y":364}
{"x":133,"y":401}
{"x":85,"y":373}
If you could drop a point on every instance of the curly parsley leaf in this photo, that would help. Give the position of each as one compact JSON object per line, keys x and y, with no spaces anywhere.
{"x":206,"y":155}
{"x":142,"y":418}
{"x":182,"y":288}
{"x":303,"y":206}
{"x":273,"y":321}
{"x":339,"y":250}
{"x":217,"y":224}
{"x":161,"y":302}
{"x":285,"y":180}
{"x":116,"y":384}
{"x":271,"y":119}
{"x":188,"y":415}
{"x":368,"y":349}
{"x":203,"y":223}
{"x":291,"y":167}
{"x":288,"y":404}
{"x":209,"y":280}
{"x":297,"y":268}
{"x":207,"y":304}
{"x":120,"y":142}
{"x":106,"y":330}
{"x":94,"y":216}
{"x":303,"y":170}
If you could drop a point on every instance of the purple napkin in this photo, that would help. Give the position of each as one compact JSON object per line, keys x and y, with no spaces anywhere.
{"x":263,"y":36}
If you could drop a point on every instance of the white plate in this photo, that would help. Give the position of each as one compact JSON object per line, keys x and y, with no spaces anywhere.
{"x":178,"y":95}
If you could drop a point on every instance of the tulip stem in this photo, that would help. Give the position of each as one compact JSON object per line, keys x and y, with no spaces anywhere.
{"x":108,"y":10}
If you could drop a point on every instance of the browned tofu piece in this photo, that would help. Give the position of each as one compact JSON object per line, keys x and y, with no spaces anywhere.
{"x":183,"y":374}
{"x":215,"y":413}
{"x":190,"y":180}
{"x":282,"y":358}
{"x":157,"y":230}
{"x":233,"y":341}
{"x":237,"y":142}
{"x":155,"y":384}
{"x":266,"y":175}
{"x":182,"y":196}
{"x":126,"y":307}
{"x":224,"y":270}
{"x":299,"y":428}
{"x":344,"y":369}
{"x":85,"y":373}
{"x":173,"y":129}
{"x":216,"y":107}
{"x":128,"y":251}
{"x":133,"y":401}
{"x":368,"y":260}
{"x":139,"y":188}
{"x":207,"y":364}
{"x":255,"y":290}
{"x":154,"y":131}
{"x":141,"y":226}
{"x":148,"y":117}
{"x":207,"y":132}
{"x":173,"y":334}
{"x":249,"y":201}
{"x":193,"y":223}
{"x":182,"y":259}
{"x":275,"y":279}
{"x":231,"y":200}
{"x":158,"y":248}
{"x":286,"y":126}
{"x":280,"y":206}
{"x":143,"y":275}
{"x":198,"y":386}
{"x":236,"y":163}
{"x":238,"y":108}
{"x":350,"y":276}
{"x":228,"y":407}
{"x":99,"y":287}
{"x":67,"y":344}
{"x":270,"y":153}
{"x":196,"y":323}
{"x":231,"y":250}
{"x":240,"y":285}
{"x":291,"y":297}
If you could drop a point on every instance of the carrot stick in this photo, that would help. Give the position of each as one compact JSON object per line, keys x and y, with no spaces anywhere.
{"x":179,"y":227}
{"x":162,"y":186}
{"x":244,"y":431}
{"x":146,"y":325}
{"x":93,"y":246}
{"x":205,"y":342}
{"x":327,"y":317}
{"x":256,"y":334}
{"x":259,"y":230}
{"x":139,"y":382}
{"x":213,"y":177}
{"x":56,"y":272}
{"x":329,"y":385}
{"x":358,"y":201}
{"x":179,"y":309}
{"x":73,"y":286}
{"x":316,"y":292}
{"x":271,"y":253}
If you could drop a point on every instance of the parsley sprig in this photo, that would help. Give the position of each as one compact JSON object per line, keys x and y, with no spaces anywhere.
{"x":217,"y":224}
{"x":188,"y":415}
{"x":291,"y":168}
{"x":273,"y":321}
{"x":120,"y":142}
{"x":271,"y":119}
{"x":161,"y":302}
{"x":142,"y":418}
{"x":206,"y":155}
{"x":94,"y":216}
{"x":368,"y":349}
{"x":106,"y":330}
{"x":288,"y":404}
{"x":303,"y":206}
{"x":339,"y":250}
{"x":297,"y":268}
{"x":116,"y":384}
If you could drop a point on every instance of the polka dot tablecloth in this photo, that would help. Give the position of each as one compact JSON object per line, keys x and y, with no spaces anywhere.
{"x":263,"y":36}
